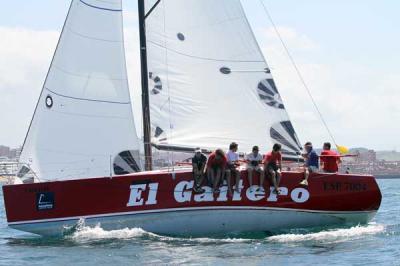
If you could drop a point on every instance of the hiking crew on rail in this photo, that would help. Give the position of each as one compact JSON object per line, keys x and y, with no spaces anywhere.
{"x":220,"y":167}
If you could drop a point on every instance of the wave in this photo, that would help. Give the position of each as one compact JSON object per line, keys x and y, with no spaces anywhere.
{"x":330,"y":235}
{"x":96,"y":233}
{"x":87,"y":233}
{"x":83,"y":233}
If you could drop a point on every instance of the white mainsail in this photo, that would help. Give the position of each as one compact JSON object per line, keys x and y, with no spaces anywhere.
{"x":210,"y":84}
{"x":83,"y":124}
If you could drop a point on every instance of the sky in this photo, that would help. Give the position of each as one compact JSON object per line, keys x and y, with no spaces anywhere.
{"x":346,"y":50}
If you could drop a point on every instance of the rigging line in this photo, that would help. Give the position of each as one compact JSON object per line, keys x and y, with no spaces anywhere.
{"x":168,"y":86}
{"x":152,"y":9}
{"x":297,"y":70}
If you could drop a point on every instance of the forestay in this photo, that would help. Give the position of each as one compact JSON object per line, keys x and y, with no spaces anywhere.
{"x":83,"y":124}
{"x":210,"y":83}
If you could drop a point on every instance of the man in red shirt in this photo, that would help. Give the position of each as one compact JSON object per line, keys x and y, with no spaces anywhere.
{"x":330,"y":159}
{"x":273,"y":165}
{"x":217,"y":168}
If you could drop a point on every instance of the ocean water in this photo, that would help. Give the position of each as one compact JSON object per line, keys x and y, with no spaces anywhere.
{"x":377,"y":243}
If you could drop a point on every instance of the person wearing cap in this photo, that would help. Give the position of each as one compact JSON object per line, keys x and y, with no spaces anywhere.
{"x":254,"y":159}
{"x":232,"y":157}
{"x":217,"y":168}
{"x":311,"y":164}
{"x":198,"y":163}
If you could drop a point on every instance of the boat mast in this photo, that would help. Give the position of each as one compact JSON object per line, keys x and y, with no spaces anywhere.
{"x":145,"y":87}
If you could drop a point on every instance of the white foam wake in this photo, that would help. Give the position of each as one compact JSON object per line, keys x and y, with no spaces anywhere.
{"x":87,"y":233}
{"x":97,"y":233}
{"x":206,"y":240}
{"x":84,"y":233}
{"x":330,"y":235}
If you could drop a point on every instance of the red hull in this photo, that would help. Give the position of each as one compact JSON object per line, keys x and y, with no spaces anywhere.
{"x":29,"y":203}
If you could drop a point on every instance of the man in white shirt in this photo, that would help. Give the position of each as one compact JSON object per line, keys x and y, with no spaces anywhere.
{"x":233,"y":163}
{"x":254,"y":160}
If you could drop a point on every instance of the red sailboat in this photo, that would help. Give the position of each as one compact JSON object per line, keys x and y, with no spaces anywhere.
{"x":205,"y":83}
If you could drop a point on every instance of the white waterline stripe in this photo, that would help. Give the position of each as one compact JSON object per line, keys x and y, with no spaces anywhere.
{"x":184,"y":209}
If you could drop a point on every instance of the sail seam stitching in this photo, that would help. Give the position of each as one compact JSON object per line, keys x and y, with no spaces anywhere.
{"x":205,"y":58}
{"x":91,"y":38}
{"x":86,"y":76}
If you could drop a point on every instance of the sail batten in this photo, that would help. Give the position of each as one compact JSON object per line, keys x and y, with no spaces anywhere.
{"x":85,"y":99}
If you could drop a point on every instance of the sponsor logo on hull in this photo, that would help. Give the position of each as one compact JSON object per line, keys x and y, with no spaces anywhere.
{"x":183,"y":192}
{"x":44,"y":201}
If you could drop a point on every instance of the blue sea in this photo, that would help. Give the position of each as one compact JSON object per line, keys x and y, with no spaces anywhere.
{"x":377,"y":243}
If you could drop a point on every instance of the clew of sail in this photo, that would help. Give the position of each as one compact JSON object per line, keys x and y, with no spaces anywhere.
{"x":209,"y":82}
{"x":83,"y":124}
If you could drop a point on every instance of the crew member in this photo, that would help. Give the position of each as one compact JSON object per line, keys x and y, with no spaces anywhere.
{"x":232,"y":157}
{"x":311,"y":163}
{"x":273,"y":166}
{"x":198,"y":163}
{"x":216,"y":168}
{"x":254,"y":159}
{"x":330,"y":159}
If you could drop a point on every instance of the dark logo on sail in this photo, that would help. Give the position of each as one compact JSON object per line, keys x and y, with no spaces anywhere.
{"x":269,"y":94}
{"x":159,"y":134}
{"x":157,"y":87}
{"x":49,"y":101}
{"x":284,"y":134}
{"x":126,"y":162}
{"x":44,"y":201}
{"x":180,"y":36}
{"x":225,"y":70}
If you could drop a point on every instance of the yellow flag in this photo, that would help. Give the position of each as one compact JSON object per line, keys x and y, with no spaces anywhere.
{"x":342,"y":149}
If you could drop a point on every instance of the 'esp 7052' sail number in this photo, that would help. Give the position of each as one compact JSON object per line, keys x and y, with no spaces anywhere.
{"x":183,"y":192}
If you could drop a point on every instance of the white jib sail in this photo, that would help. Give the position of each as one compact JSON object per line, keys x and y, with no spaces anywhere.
{"x":210,"y":84}
{"x":83,"y":125}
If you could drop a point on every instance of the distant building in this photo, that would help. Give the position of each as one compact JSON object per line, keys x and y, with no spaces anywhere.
{"x":4,"y":151}
{"x":371,"y":156}
{"x":366,"y":156}
{"x":8,"y":153}
{"x":3,"y":158}
{"x":15,"y":153}
{"x":368,"y":162}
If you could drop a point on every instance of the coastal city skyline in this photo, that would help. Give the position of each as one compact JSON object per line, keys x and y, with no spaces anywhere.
{"x":381,"y":164}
